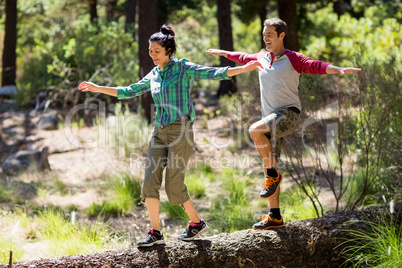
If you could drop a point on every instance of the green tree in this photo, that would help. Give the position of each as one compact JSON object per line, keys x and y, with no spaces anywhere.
{"x":249,"y":9}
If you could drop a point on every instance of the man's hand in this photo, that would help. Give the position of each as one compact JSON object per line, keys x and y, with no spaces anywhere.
{"x":347,"y":70}
{"x":216,"y":52}
{"x":331,"y":69}
{"x":88,"y":86}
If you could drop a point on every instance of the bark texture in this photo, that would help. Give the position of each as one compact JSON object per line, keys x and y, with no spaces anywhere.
{"x":10,"y":44}
{"x":147,"y":25}
{"x":225,"y":43}
{"x":308,"y":243}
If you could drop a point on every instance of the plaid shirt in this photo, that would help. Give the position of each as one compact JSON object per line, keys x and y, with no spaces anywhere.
{"x":170,"y":88}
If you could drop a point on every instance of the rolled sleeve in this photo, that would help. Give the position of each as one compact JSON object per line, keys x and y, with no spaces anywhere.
{"x":136,"y":89}
{"x":197,"y":71}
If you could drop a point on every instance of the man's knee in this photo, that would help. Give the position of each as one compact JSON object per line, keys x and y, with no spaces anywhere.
{"x":258,"y":130}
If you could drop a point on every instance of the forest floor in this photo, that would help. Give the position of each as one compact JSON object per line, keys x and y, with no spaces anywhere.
{"x":82,"y":170}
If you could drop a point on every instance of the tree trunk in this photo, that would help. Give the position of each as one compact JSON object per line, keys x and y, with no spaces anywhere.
{"x":225,"y":43}
{"x":262,"y":13}
{"x":10,"y":44}
{"x":92,"y":10}
{"x":147,"y":25}
{"x":110,"y":9}
{"x":131,"y":6}
{"x":287,"y":10}
{"x":308,"y":243}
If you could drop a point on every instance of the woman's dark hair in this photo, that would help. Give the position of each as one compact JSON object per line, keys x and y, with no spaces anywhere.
{"x":165,"y":38}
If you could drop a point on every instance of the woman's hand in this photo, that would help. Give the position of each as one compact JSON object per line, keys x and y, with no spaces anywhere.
{"x":232,"y":71}
{"x":88,"y":86}
{"x":251,"y":65}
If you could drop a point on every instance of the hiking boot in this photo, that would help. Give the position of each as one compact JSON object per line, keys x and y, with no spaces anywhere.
{"x":271,"y":185}
{"x":151,"y":239}
{"x":268,"y":222}
{"x":193,"y":231}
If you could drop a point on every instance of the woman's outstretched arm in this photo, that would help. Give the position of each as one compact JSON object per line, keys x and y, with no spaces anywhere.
{"x":89,"y":86}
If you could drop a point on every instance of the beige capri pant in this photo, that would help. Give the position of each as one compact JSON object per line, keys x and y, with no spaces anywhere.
{"x":170,"y":147}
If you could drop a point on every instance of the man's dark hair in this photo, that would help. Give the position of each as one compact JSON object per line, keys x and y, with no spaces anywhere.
{"x":165,"y":38}
{"x":280,"y":25}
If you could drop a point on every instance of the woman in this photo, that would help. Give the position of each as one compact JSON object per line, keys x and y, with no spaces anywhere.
{"x":170,"y":83}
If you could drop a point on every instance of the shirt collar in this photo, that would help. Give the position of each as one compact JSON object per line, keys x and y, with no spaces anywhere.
{"x":167,"y":66}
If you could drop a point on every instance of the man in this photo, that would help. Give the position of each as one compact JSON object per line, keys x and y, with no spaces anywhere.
{"x":280,"y":105}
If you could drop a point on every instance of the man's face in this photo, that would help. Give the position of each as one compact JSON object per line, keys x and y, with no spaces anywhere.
{"x":273,"y":43}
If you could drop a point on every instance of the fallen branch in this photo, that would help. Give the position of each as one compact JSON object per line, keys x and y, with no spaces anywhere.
{"x":308,"y":243}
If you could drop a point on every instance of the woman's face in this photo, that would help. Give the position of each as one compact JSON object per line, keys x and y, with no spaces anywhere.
{"x":158,"y":54}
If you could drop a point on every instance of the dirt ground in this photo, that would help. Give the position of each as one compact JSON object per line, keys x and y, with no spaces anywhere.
{"x":78,"y":164}
{"x":79,"y":167}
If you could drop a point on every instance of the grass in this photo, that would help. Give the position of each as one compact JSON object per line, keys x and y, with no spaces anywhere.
{"x":379,"y":245}
{"x":203,"y":171}
{"x":123,"y":193}
{"x":66,"y":238}
{"x":4,"y":196}
{"x":230,"y":211}
{"x":196,"y":186}
{"x":8,"y":244}
{"x":296,"y":206}
{"x":174,"y":212}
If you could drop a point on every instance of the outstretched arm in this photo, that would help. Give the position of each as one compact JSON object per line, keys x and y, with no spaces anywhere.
{"x":239,"y":57}
{"x":232,"y":71}
{"x":331,"y":69}
{"x":217,"y":52}
{"x":89,"y":86}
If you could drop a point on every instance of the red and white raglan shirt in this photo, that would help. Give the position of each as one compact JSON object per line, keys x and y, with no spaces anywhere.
{"x":279,"y":80}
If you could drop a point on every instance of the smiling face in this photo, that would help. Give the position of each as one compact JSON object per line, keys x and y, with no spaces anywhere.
{"x":158,"y":54}
{"x":273,"y":42}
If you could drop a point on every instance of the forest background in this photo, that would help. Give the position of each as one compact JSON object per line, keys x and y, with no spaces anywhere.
{"x":348,"y":148}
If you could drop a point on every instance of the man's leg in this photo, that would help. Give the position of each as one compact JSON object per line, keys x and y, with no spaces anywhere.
{"x":258,"y":132}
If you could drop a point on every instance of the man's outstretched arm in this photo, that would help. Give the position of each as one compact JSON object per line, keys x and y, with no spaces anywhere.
{"x":331,"y":69}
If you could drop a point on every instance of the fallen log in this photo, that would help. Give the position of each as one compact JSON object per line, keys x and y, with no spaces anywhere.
{"x":308,"y":243}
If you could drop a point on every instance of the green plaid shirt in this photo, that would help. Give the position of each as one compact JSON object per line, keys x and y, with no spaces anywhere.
{"x":170,"y":88}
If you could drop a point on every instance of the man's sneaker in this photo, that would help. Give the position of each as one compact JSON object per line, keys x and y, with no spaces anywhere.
{"x":271,"y":185}
{"x":268,"y":222}
{"x":151,"y":239}
{"x":193,"y":231}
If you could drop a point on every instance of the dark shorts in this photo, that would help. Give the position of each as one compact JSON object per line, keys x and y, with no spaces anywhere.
{"x":281,"y":123}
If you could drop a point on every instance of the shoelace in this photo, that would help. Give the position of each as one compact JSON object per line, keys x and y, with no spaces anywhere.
{"x":266,"y":218}
{"x":268,"y":182}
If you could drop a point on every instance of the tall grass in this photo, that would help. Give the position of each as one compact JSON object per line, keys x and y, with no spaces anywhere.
{"x":295,"y":205}
{"x":7,"y":244}
{"x":230,"y":211}
{"x":124,"y":192}
{"x":66,"y":238}
{"x":196,"y":186}
{"x":379,"y":245}
{"x":174,"y":212}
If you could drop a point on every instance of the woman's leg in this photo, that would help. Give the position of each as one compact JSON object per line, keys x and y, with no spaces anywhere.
{"x":156,"y":162}
{"x":188,"y":207}
{"x":153,"y":211}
